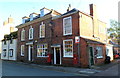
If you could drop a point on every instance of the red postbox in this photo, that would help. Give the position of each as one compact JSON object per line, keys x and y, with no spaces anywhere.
{"x":75,"y":59}
{"x":49,"y":58}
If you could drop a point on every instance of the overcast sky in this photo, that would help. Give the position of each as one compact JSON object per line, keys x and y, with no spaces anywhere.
{"x":106,"y":9}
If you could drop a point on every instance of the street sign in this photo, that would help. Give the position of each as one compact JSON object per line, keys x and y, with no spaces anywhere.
{"x":77,"y":39}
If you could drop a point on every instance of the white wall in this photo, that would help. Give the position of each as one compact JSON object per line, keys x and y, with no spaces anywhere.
{"x":9,"y":46}
{"x":109,"y":52}
{"x":2,"y":53}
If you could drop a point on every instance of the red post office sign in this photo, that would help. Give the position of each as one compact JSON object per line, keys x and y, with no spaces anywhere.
{"x":77,"y":39}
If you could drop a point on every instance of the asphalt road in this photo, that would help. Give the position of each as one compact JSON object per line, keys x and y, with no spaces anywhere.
{"x":13,"y":69}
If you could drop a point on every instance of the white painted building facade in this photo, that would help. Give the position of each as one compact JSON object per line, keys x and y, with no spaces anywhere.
{"x":109,"y":51}
{"x":9,"y":50}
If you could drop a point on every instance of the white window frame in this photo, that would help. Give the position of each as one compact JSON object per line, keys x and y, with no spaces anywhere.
{"x":4,"y":52}
{"x":64,"y":26}
{"x":11,"y":52}
{"x":43,"y":49}
{"x":22,"y":50}
{"x":23,"y":35}
{"x":40,"y":34}
{"x":99,"y":56}
{"x":64,"y":48}
{"x":30,"y":33}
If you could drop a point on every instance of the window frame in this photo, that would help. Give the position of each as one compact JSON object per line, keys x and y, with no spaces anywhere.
{"x":43,"y":49}
{"x":11,"y":52}
{"x":40,"y":30}
{"x":22,"y":53}
{"x":64,"y":48}
{"x":4,"y":52}
{"x":23,"y":34}
{"x":64,"y":30}
{"x":30,"y":33}
{"x":98,"y":54}
{"x":5,"y":42}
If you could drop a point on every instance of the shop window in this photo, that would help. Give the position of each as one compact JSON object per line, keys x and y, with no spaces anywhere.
{"x":42,"y":50}
{"x":68,"y":48}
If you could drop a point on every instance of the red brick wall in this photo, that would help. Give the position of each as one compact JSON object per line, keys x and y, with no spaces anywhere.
{"x":58,"y":36}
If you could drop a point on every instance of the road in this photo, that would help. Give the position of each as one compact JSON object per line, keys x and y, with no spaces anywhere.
{"x":20,"y":69}
{"x":13,"y":69}
{"x":112,"y":71}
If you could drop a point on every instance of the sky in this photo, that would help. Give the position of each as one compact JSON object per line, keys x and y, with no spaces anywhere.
{"x":106,"y":9}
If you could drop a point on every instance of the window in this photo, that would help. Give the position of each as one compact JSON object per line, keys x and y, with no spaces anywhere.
{"x":67,"y":26}
{"x":23,"y":35}
{"x":11,"y":52}
{"x":68,"y":48}
{"x":22,"y":50}
{"x":102,"y":29}
{"x":5,"y":42}
{"x":11,"y":41}
{"x":42,"y":30}
{"x":31,"y":33}
{"x":4,"y":52}
{"x":42,"y":50}
{"x":99,"y":52}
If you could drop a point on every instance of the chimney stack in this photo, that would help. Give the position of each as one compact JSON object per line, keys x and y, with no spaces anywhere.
{"x":69,"y":8}
{"x":93,"y":10}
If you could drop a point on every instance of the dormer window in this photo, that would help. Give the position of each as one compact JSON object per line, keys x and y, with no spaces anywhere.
{"x":44,"y":11}
{"x":33,"y":15}
{"x":24,"y":19}
{"x":30,"y":33}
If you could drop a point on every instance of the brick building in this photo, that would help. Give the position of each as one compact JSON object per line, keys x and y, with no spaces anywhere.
{"x":70,"y":39}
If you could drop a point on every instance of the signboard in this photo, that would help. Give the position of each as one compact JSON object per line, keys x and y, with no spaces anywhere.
{"x":77,"y":39}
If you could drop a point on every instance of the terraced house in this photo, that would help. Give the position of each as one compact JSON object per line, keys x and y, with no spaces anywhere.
{"x":74,"y":38}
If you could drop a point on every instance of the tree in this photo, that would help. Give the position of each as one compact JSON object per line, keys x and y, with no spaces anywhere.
{"x":114,"y":31}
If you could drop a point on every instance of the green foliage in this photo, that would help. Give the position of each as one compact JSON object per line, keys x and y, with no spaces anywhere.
{"x":114,"y":31}
{"x":10,"y":36}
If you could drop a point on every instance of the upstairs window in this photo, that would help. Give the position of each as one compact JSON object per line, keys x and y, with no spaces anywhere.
{"x":11,"y":52}
{"x":4,"y":52}
{"x":11,"y":41}
{"x":42,"y":30}
{"x":30,"y":33}
{"x":5,"y":42}
{"x":23,"y":34}
{"x":67,"y":25}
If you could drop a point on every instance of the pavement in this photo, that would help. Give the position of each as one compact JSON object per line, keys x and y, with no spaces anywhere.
{"x":84,"y":71}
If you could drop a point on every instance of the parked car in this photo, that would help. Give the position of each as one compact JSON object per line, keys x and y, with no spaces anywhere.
{"x":116,"y":56}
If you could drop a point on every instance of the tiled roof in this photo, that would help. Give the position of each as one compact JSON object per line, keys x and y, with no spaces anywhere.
{"x":92,"y":41}
{"x":71,"y":11}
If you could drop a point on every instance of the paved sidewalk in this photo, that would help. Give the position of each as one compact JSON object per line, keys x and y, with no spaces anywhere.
{"x":83,"y":71}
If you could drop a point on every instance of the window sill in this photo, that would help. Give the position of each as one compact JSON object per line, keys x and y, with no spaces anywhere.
{"x":42,"y":56}
{"x":100,"y":57}
{"x":42,"y":37}
{"x":67,"y":34}
{"x":68,"y":56}
{"x":22,"y":40}
{"x":30,"y":38}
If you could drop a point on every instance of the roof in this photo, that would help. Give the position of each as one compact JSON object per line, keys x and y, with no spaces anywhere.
{"x":71,"y":11}
{"x":114,"y":44}
{"x":93,"y":41}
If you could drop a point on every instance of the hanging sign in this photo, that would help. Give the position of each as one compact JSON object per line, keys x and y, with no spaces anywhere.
{"x":77,"y":39}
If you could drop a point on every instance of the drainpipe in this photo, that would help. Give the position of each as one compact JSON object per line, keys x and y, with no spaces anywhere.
{"x":8,"y":49}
